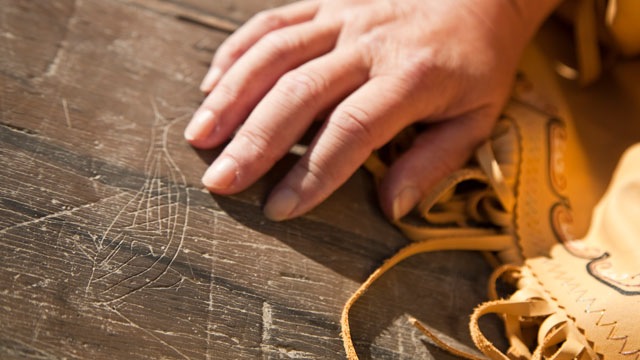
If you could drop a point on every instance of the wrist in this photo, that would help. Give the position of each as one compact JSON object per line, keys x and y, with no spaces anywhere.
{"x":515,"y":22}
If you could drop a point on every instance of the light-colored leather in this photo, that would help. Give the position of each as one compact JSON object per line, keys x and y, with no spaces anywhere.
{"x":597,"y":280}
{"x":592,"y":285}
{"x":535,"y":184}
{"x":623,"y":21}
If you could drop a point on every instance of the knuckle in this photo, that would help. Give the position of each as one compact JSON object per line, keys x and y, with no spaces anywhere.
{"x":352,"y":122}
{"x":269,"y":20}
{"x":419,"y":67}
{"x":313,"y":170}
{"x":348,"y":16}
{"x":257,"y":139}
{"x":230,"y":50}
{"x":279,"y":43}
{"x":227,"y":92}
{"x":372,"y":40}
{"x":446,"y":165}
{"x":304,"y":86}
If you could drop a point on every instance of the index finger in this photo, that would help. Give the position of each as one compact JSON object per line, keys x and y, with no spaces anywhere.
{"x":248,"y":35}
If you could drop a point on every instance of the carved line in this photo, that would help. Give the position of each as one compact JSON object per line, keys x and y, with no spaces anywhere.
{"x":157,"y":159}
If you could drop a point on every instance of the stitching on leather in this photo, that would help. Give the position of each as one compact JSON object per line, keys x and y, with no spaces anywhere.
{"x":562,"y":275}
{"x":557,"y":302}
{"x":571,"y":285}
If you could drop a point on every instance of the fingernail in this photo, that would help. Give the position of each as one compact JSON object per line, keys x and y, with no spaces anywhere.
{"x":221,"y":174}
{"x":281,"y":204}
{"x":405,"y":201}
{"x":209,"y":81}
{"x":199,"y":124}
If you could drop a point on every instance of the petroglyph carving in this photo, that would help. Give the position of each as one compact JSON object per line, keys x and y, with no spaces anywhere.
{"x":147,"y":233}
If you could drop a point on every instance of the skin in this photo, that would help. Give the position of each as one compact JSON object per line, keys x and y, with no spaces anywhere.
{"x":376,"y":67}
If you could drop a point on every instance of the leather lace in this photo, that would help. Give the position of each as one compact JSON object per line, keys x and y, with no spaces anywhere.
{"x":481,"y":219}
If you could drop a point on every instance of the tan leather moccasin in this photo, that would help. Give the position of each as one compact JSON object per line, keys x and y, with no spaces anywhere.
{"x":526,"y":200}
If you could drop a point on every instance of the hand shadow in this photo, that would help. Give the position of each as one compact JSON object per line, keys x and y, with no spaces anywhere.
{"x":439,"y":289}
{"x":347,"y":233}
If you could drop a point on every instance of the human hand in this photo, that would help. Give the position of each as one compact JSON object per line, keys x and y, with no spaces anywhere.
{"x":383,"y":66}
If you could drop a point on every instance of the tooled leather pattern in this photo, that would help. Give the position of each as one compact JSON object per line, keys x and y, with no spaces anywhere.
{"x":601,"y":266}
{"x":547,"y":137}
{"x":560,"y":215}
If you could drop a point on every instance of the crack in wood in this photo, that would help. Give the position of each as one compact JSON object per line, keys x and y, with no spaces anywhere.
{"x":65,"y":108}
{"x":187,"y":14}
{"x":267,"y":322}
{"x":52,"y":67}
{"x":210,"y":308}
{"x":19,"y":129}
{"x":206,"y":21}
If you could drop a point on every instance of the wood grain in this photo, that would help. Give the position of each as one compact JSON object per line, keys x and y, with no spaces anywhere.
{"x":111,"y":248}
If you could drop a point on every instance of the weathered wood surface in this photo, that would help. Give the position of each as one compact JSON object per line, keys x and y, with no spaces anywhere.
{"x":110,"y":247}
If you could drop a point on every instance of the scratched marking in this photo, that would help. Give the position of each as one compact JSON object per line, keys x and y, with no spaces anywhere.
{"x":147,"y":233}
{"x":210,"y":323}
{"x":65,"y":107}
{"x":148,"y":332}
{"x":267,"y":322}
